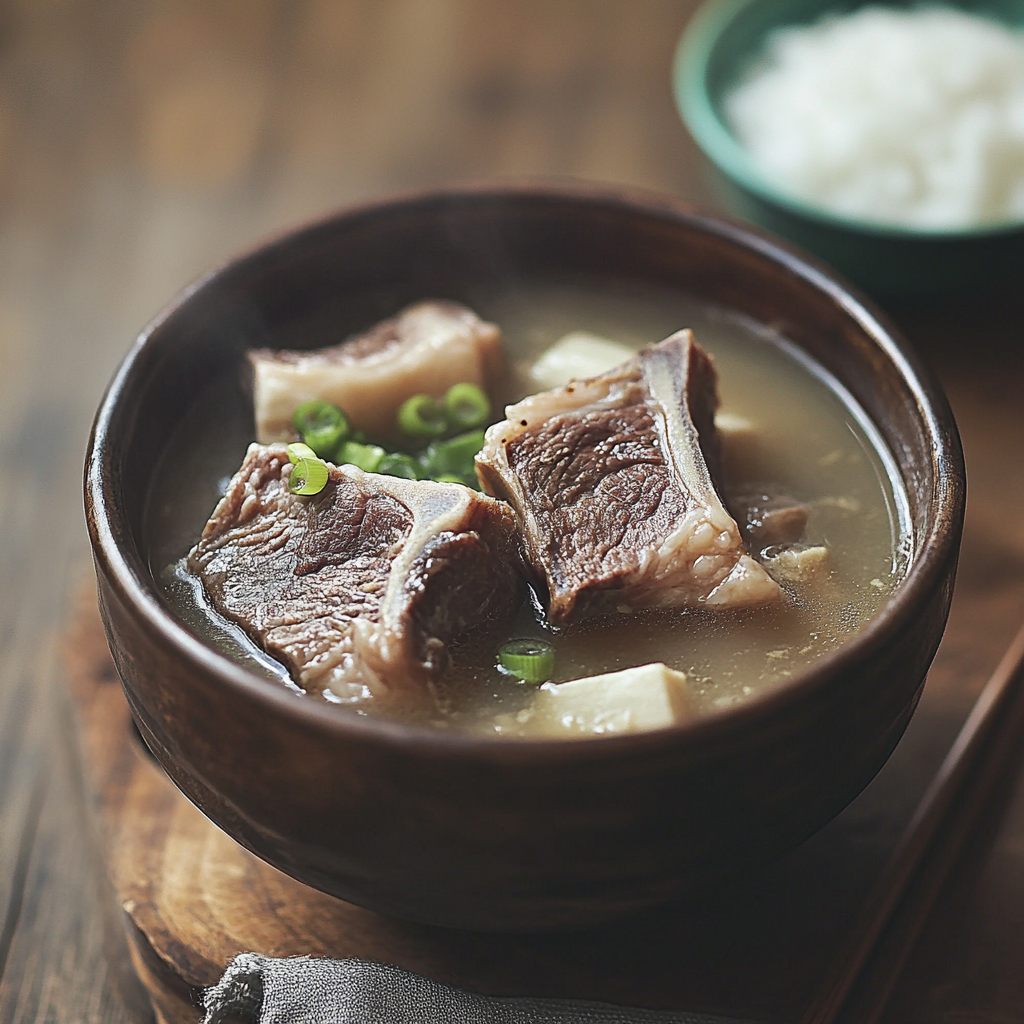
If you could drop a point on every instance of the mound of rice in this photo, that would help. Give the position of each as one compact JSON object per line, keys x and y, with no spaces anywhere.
{"x":902,"y":117}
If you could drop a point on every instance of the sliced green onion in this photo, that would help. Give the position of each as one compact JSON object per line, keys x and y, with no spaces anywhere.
{"x":397,"y":464}
{"x":367,"y":457}
{"x":466,"y":406}
{"x":299,"y":451}
{"x":454,"y":455}
{"x":321,"y":425}
{"x":531,"y":660}
{"x":422,"y":416}
{"x":309,"y":476}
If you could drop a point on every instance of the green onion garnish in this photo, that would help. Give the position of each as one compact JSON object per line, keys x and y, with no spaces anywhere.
{"x":455,"y":455}
{"x":321,"y":425}
{"x":299,"y":451}
{"x":533,"y":661}
{"x":397,"y":464}
{"x":309,"y":476}
{"x":422,"y":416}
{"x":367,"y":457}
{"x":466,"y":406}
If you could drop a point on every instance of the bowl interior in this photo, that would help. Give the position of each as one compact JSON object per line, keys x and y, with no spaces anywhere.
{"x":719,"y":44}
{"x":461,"y":830}
{"x":365,"y":265}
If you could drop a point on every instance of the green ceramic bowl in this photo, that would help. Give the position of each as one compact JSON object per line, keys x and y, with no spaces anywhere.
{"x":720,"y":38}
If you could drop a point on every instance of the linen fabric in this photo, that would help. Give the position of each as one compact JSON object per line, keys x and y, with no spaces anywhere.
{"x":303,"y":990}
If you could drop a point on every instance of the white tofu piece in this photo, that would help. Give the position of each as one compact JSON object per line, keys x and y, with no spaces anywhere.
{"x":577,"y":356}
{"x":633,"y":700}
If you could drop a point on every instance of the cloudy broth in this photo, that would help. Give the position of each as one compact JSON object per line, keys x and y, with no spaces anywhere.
{"x":813,"y":444}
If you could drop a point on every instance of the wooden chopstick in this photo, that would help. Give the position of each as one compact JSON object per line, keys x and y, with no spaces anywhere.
{"x":971,"y":768}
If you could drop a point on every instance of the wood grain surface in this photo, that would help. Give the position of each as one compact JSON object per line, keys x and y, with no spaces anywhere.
{"x":141,"y":143}
{"x":192,"y":899}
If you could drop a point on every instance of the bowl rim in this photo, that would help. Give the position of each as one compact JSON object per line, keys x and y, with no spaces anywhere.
{"x":700,"y":115}
{"x":128,"y":575}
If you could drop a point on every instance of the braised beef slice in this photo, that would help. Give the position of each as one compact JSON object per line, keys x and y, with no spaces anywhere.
{"x":425,"y":348}
{"x":771,"y":519}
{"x":337,"y":531}
{"x":479,"y":580}
{"x":362,"y":586}
{"x":378,"y":338}
{"x":612,"y":490}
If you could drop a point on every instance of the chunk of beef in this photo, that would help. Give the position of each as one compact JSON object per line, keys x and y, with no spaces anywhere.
{"x":771,"y":519}
{"x":364,"y":584}
{"x":424,"y":349}
{"x":613,"y":493}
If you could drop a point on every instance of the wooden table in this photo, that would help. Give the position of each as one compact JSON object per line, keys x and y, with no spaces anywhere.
{"x":142,"y":142}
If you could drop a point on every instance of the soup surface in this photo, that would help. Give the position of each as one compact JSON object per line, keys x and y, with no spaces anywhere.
{"x":812,"y":443}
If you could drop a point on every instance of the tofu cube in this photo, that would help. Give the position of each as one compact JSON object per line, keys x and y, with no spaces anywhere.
{"x":636,"y":699}
{"x":577,"y":356}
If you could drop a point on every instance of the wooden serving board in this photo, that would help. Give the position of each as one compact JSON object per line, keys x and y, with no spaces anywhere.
{"x":192,"y":898}
{"x":759,"y":947}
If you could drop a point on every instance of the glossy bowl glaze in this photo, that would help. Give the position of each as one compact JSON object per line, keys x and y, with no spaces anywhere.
{"x":482,"y":833}
{"x":717,"y":44}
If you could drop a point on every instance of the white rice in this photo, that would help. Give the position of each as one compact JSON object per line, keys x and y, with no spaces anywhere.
{"x":912,"y":117}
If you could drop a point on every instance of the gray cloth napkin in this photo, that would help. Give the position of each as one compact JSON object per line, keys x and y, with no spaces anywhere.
{"x":300,"y":990}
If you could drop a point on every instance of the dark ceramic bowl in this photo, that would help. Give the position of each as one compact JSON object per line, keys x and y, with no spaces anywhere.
{"x":888,"y":260}
{"x":481,"y":833}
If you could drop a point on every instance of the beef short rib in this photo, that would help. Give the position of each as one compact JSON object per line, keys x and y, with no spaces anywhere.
{"x":357,"y":590}
{"x":426,"y":348}
{"x":612,"y":490}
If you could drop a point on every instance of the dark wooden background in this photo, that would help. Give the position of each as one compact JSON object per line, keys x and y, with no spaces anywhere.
{"x":141,"y":143}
